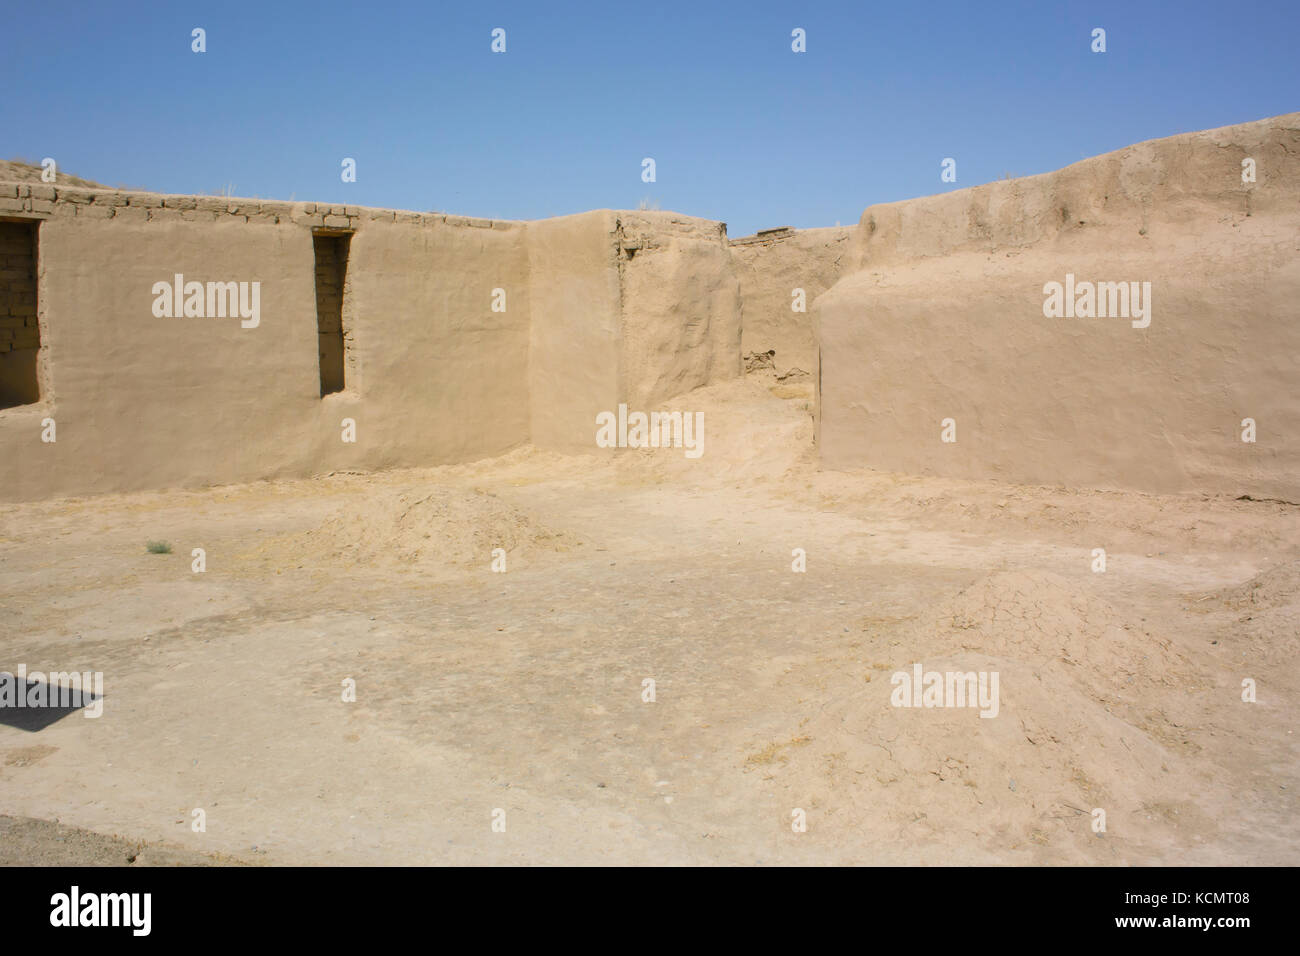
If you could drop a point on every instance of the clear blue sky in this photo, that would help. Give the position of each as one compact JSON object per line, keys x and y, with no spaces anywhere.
{"x":741,"y":128}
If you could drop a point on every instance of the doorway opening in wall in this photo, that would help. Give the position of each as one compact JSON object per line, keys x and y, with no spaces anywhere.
{"x":331,"y":283}
{"x":20,"y":335}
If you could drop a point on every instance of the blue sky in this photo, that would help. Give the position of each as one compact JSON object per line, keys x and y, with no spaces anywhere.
{"x":741,"y":128}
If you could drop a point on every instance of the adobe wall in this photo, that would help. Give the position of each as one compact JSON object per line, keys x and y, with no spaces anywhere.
{"x":770,"y":266}
{"x":467,"y":337}
{"x":146,"y":402}
{"x":444,"y":376}
{"x":441,"y":367}
{"x":629,"y":307}
{"x":946,"y":320}
{"x":680,"y":302}
{"x":577,"y":328}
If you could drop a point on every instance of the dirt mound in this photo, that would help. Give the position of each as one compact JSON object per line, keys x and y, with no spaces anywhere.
{"x":31,"y":842}
{"x":1039,"y":617}
{"x":1079,"y":725}
{"x":1276,"y":587}
{"x":423,"y":530}
{"x":947,"y":782}
{"x":1060,"y":629}
{"x":748,"y":432}
{"x":1262,"y":618}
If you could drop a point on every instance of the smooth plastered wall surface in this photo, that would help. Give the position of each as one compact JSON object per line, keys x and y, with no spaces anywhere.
{"x":946,"y":321}
{"x":577,"y":329}
{"x":441,"y":377}
{"x":681,"y":305}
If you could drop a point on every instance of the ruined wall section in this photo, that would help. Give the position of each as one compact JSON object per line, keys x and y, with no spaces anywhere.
{"x":1183,"y":182}
{"x":143,"y":402}
{"x":770,"y":266}
{"x":680,"y":305}
{"x":629,"y":307}
{"x":946,"y":321}
{"x":463,"y":337}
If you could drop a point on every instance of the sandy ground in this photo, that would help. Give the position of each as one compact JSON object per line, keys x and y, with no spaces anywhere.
{"x":522,"y":691}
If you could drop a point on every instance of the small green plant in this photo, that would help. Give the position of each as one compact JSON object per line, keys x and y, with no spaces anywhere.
{"x":159,"y":547}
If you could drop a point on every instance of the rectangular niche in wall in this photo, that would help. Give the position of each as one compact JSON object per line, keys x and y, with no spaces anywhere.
{"x":331,"y":280}
{"x":20,"y":335}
